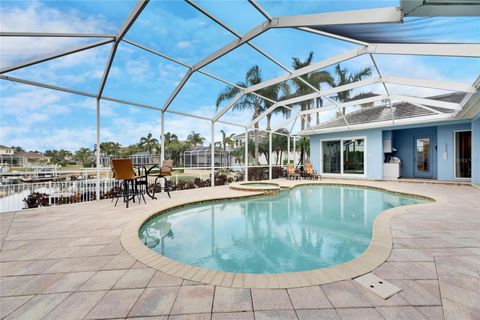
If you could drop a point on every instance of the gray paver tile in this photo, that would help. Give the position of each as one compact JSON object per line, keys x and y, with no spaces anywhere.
{"x":121,"y":261}
{"x":35,"y":285}
{"x":344,"y":294}
{"x":388,"y":271}
{"x":432,"y":313}
{"x":266,"y":299}
{"x":417,"y":270}
{"x":359,"y":314}
{"x":32,"y":267}
{"x":193,"y":299}
{"x":155,"y":301}
{"x":198,"y":316}
{"x":309,"y":298}
{"x":323,"y":314}
{"x":10,"y":304}
{"x":135,"y":278}
{"x":276,"y":315}
{"x":233,"y":316}
{"x":69,"y":282}
{"x":115,"y":304}
{"x":76,"y":306}
{"x":102,"y":280}
{"x":232,"y":300}
{"x":7,"y":284}
{"x":150,"y":318}
{"x":161,"y":279}
{"x":400,"y":313}
{"x":38,"y":307}
{"x":419,"y":292}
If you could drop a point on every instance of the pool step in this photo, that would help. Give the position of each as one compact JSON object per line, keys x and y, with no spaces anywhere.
{"x":377,"y":285}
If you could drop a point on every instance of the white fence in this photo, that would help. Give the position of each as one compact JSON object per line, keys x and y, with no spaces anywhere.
{"x":59,"y":192}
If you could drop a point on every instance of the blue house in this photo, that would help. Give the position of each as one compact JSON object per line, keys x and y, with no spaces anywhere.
{"x":404,"y":140}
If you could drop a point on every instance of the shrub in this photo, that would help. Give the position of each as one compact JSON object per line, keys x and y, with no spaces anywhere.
{"x":35,"y":200}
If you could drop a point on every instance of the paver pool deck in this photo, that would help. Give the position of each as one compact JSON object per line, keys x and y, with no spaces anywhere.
{"x":68,"y":262}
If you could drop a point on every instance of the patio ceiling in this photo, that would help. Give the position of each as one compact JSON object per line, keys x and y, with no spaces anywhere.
{"x":367,"y":29}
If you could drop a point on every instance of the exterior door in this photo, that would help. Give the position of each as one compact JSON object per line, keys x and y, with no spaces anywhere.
{"x":463,"y":155}
{"x":422,"y":154}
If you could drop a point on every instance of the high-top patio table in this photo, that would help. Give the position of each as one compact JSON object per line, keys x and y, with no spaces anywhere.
{"x":147,"y":169}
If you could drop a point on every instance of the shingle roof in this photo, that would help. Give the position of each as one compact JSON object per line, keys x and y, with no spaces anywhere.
{"x":401,"y":110}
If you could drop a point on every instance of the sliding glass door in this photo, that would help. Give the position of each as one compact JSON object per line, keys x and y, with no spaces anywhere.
{"x":463,"y":154}
{"x":344,"y":156}
{"x":331,"y":156}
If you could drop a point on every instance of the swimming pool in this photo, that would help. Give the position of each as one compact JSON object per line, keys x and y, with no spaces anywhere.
{"x":300,"y":229}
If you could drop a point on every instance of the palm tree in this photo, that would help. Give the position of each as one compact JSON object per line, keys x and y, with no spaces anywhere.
{"x":279,"y":144}
{"x":304,"y":145}
{"x":82,"y":155}
{"x":226,"y":140}
{"x":315,"y":79}
{"x":110,"y":148}
{"x":148,"y":142}
{"x":253,"y":102}
{"x":344,"y":76}
{"x":195,"y":139}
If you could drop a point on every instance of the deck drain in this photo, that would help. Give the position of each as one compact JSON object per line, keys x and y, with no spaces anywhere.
{"x":377,"y":285}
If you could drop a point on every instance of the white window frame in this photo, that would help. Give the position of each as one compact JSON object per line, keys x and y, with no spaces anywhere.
{"x":454,"y":151}
{"x":341,"y":174}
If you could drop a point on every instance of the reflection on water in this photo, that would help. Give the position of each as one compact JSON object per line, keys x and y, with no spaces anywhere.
{"x":301,"y":229}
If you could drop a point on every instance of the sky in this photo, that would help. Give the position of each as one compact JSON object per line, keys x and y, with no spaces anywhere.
{"x":41,"y":119}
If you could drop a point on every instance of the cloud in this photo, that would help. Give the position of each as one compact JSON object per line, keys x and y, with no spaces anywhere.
{"x":183,"y":44}
{"x":38,"y":17}
{"x":138,"y":69}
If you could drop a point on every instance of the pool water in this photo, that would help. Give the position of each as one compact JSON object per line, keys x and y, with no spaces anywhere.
{"x":299,"y":229}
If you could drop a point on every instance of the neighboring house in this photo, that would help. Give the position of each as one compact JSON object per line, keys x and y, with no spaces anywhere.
{"x":239,"y":139}
{"x":431,"y":142}
{"x":145,"y":157}
{"x":25,"y":159}
{"x":6,"y":155}
{"x":201,"y":157}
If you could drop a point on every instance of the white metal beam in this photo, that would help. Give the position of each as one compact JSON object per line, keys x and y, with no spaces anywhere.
{"x":97,"y":156}
{"x":333,"y":36}
{"x":55,"y":55}
{"x":437,"y":49}
{"x":319,"y":65}
{"x":177,"y":89}
{"x":428,"y":102}
{"x":228,"y":106}
{"x":444,"y":8}
{"x":380,"y":15}
{"x":47,"y":86}
{"x":388,"y":123}
{"x":315,"y":95}
{"x":434,"y":84}
{"x":428,"y":108}
{"x":125,"y":102}
{"x":470,"y":50}
{"x":260,"y":9}
{"x":55,"y":35}
{"x":141,"y":4}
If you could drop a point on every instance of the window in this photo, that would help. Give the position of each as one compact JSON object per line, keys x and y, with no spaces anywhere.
{"x":344,"y":156}
{"x":353,"y":156}
{"x":331,"y":157}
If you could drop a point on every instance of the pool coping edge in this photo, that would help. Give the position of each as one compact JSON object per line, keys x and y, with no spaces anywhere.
{"x":375,"y":255}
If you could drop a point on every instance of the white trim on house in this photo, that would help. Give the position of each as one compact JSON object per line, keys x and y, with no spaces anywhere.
{"x":455,"y":155}
{"x":347,"y":175}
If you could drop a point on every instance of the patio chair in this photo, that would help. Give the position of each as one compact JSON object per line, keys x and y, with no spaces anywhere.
{"x":310,"y":172}
{"x":291,"y":174}
{"x":123,"y":170}
{"x":165,"y":171}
